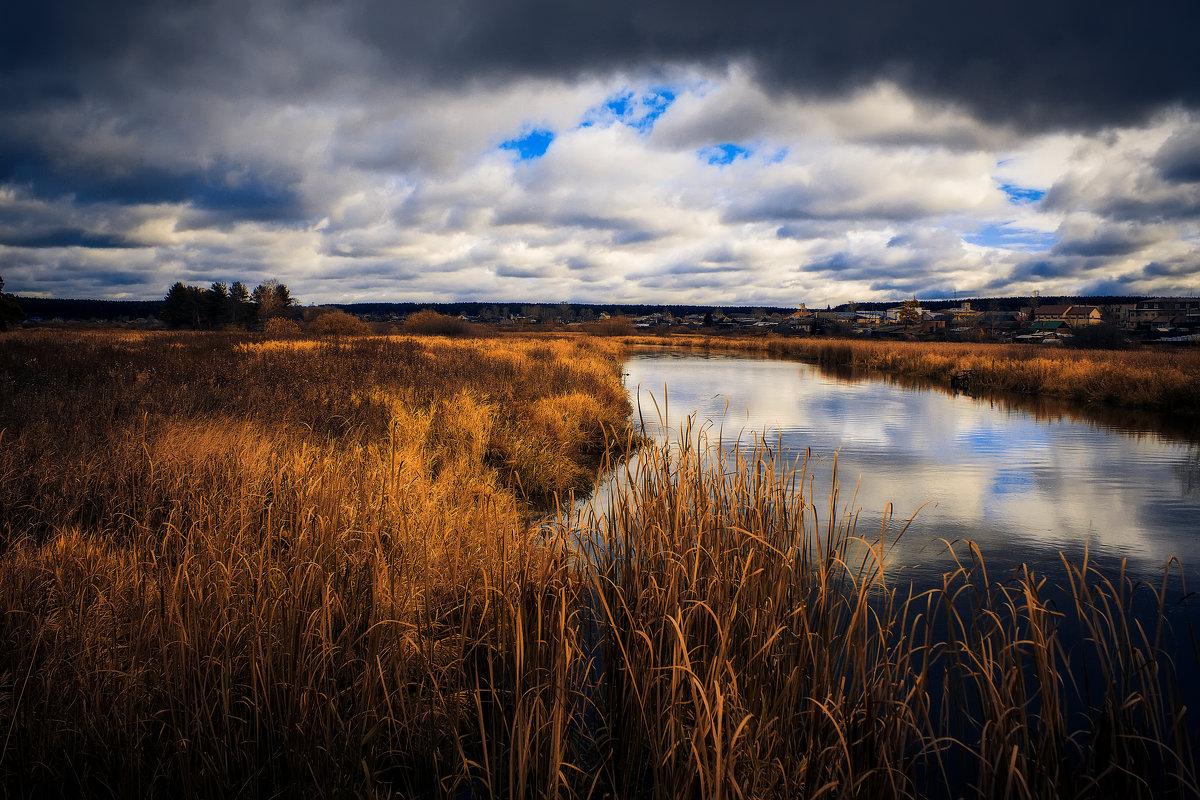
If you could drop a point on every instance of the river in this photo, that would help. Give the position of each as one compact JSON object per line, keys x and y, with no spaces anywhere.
{"x":1026,"y":481}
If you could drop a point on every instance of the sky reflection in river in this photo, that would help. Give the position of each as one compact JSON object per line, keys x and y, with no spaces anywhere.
{"x":1023,"y":487}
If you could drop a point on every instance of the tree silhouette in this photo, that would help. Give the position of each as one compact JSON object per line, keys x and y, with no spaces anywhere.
{"x":241,"y":310}
{"x":272,"y":299}
{"x":216,"y":305}
{"x":183,"y":306}
{"x":10,"y":309}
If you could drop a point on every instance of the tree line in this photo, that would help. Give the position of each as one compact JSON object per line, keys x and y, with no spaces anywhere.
{"x":220,"y":305}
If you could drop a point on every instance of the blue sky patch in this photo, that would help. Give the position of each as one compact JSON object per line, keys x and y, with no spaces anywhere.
{"x":1006,"y":238}
{"x":633,"y":109}
{"x":722,"y":154}
{"x":530,"y":145}
{"x":1021,"y":195}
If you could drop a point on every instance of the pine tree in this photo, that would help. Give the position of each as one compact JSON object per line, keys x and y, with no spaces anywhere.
{"x":10,"y":309}
{"x":183,"y":306}
{"x":216,"y":305}
{"x":241,"y":310}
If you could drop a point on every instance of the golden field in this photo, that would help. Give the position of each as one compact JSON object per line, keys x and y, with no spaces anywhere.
{"x":237,"y":565}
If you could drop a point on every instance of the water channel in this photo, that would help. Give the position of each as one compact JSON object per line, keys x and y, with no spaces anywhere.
{"x":1025,"y":479}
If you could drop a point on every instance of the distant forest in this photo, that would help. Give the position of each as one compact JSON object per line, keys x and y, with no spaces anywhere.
{"x":109,"y":310}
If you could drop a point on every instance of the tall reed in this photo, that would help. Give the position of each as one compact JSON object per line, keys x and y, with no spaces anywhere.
{"x":754,"y":646}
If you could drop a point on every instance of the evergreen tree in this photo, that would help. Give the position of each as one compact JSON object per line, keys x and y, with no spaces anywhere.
{"x":10,"y":309}
{"x":216,"y":305}
{"x":183,"y":306}
{"x":241,"y":310}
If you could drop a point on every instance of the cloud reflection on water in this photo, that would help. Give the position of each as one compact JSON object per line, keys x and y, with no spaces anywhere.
{"x":1024,"y":485}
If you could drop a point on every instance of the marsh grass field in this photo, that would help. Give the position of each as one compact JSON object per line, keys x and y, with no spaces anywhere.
{"x":236,"y":565}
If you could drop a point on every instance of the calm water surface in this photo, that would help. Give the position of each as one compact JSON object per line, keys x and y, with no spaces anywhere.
{"x":1024,"y":484}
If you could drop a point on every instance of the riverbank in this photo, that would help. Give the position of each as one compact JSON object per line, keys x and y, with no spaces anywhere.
{"x":1148,"y":379}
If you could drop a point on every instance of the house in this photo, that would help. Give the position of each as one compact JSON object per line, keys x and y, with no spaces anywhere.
{"x":1074,"y":316}
{"x":964,"y":315}
{"x":931,"y":323}
{"x":1122,"y":314}
{"x":1049,"y":312}
{"x":1163,"y":313}
{"x":797,"y":324}
{"x":910,"y":313}
{"x":870,"y":318}
{"x":1079,"y":316}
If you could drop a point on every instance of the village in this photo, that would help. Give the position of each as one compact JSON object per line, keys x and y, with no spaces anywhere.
{"x":1168,"y":320}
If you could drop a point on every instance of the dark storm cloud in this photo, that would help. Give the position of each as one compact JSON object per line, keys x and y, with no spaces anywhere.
{"x":844,"y":266}
{"x":511,"y":271}
{"x":63,"y":237}
{"x":1159,"y":206}
{"x":1142,"y":196}
{"x":682,"y":281}
{"x":1179,"y":158}
{"x":1049,"y":268}
{"x":816,"y":204}
{"x":533,"y":214}
{"x":634,"y":236}
{"x":64,"y":51}
{"x":703,"y":268}
{"x":1110,"y":240}
{"x":1034,"y":62}
{"x":61,"y":278}
{"x":233,"y":191}
{"x":1029,"y":60}
{"x":1176,"y":269}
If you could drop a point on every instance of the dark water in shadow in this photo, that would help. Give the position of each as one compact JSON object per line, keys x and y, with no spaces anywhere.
{"x":1025,"y":479}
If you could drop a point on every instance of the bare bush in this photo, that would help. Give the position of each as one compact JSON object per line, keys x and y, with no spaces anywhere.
{"x":336,"y":322}
{"x":428,"y":321}
{"x":281,"y":326}
{"x":614,"y":326}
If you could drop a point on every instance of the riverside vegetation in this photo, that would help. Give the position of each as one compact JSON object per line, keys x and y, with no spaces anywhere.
{"x":239,"y":565}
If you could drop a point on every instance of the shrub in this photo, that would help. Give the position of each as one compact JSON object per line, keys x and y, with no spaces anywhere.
{"x":281,"y":326}
{"x":338,"y":323}
{"x":428,"y":321}
{"x":616,"y":326}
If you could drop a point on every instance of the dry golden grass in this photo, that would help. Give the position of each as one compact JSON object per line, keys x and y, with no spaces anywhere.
{"x":227,"y":558}
{"x":243,"y":566}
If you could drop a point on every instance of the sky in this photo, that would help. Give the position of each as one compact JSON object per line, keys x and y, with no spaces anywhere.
{"x":771,"y":152}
